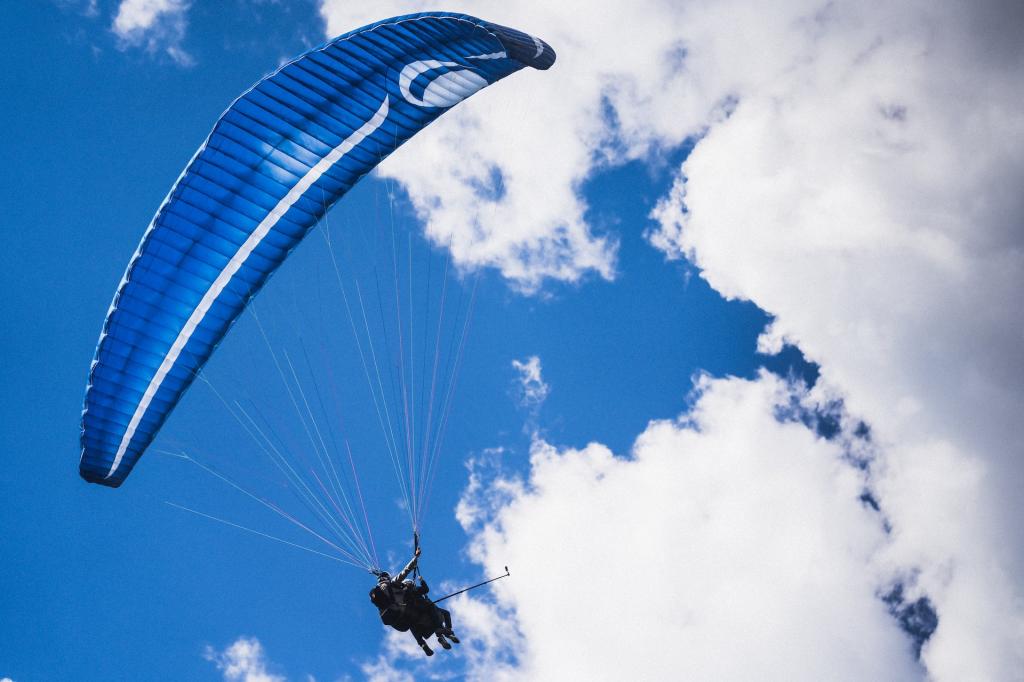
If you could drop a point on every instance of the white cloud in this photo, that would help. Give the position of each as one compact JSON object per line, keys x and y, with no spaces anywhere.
{"x":383,"y":670}
{"x":155,"y":26}
{"x":729,"y":545}
{"x":530,"y":389}
{"x":485,"y":493}
{"x":402,"y":660}
{"x":86,"y":8}
{"x":542,"y":133}
{"x":243,"y":661}
{"x":399,"y":649}
{"x":866,"y":195}
{"x":856,"y":177}
{"x":489,"y":646}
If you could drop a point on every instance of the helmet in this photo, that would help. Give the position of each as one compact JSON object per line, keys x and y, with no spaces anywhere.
{"x":383,"y":577}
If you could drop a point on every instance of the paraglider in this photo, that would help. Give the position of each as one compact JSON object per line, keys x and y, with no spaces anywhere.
{"x":404,"y":606}
{"x":278,"y":158}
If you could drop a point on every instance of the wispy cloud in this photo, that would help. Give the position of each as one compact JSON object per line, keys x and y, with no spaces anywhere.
{"x":156,"y":26}
{"x":486,"y":491}
{"x":394,"y":663}
{"x":530,"y":389}
{"x":243,"y":661}
{"x":85,"y":8}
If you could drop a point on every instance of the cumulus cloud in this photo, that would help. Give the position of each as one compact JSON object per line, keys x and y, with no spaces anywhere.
{"x":861,"y":194}
{"x":157,"y":26}
{"x":504,"y":173}
{"x":243,"y":661}
{"x":489,"y":648}
{"x":399,"y":653}
{"x":855,"y":176}
{"x":727,"y":545}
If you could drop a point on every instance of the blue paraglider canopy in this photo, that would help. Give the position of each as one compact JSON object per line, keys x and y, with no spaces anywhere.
{"x":277,"y":159}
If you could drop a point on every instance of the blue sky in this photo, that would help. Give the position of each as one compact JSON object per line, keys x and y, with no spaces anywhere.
{"x":708,"y":174}
{"x":103,"y":583}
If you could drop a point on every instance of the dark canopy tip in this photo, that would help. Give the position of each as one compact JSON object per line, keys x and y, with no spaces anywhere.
{"x":524,"y":48}
{"x":94,"y":475}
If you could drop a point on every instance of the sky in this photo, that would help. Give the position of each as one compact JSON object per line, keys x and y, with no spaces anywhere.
{"x":741,"y":396}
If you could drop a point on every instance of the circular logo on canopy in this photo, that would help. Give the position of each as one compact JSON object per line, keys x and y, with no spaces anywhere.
{"x":443,"y":89}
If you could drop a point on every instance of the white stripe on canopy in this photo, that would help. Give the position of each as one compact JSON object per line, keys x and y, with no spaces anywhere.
{"x":235,"y":264}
